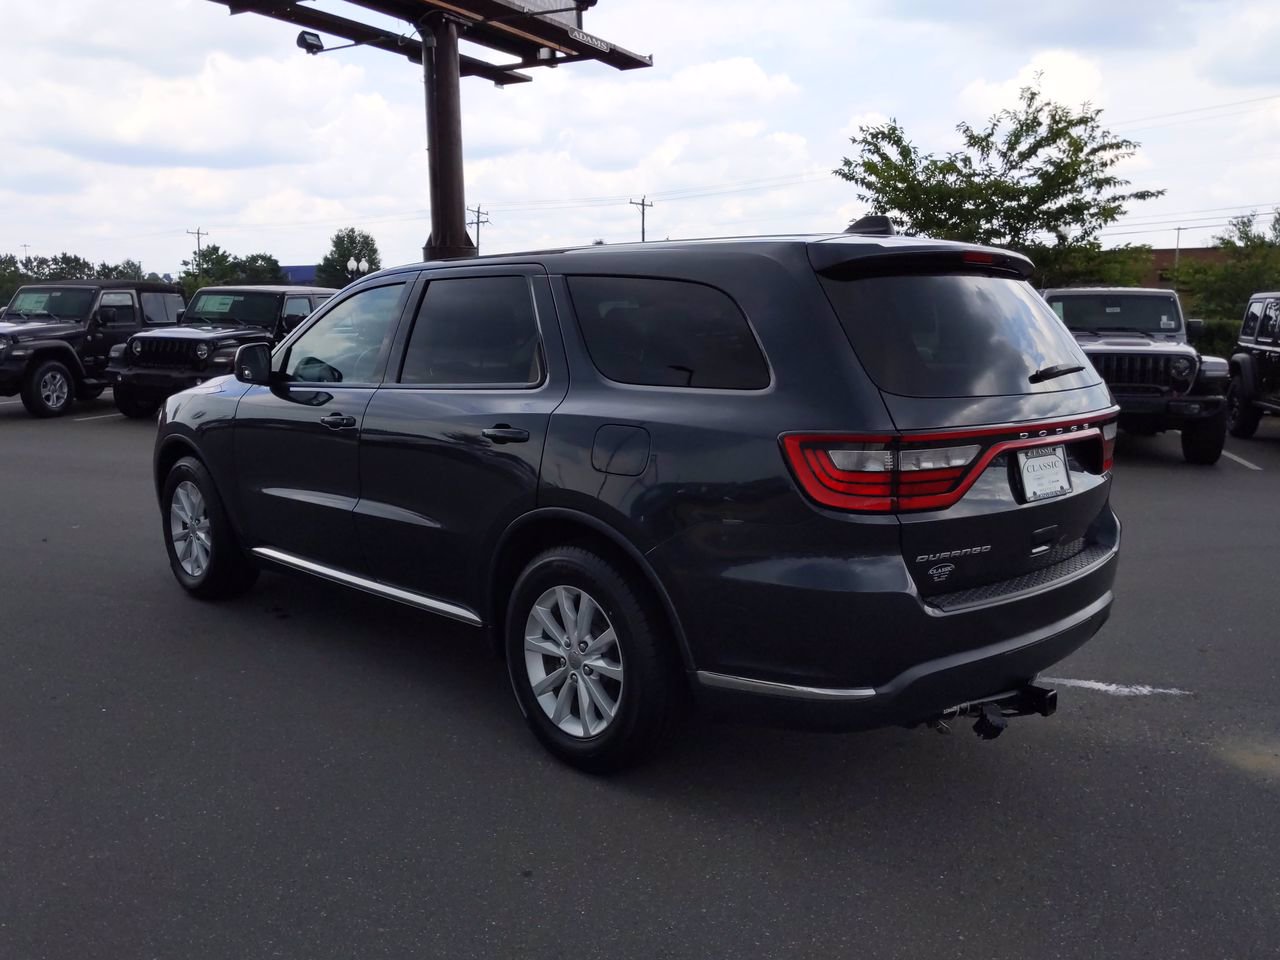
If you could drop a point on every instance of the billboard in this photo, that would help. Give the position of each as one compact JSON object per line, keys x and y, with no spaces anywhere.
{"x":570,"y":19}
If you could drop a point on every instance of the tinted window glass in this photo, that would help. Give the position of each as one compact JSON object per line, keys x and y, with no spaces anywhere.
{"x":346,"y":344}
{"x":122,"y":304}
{"x":296,"y":306}
{"x":1267,"y":329}
{"x":68,"y":303}
{"x":667,"y":333}
{"x":159,"y":309}
{"x":475,"y":330}
{"x":1150,"y":313}
{"x":955,"y":335}
{"x":254,"y":309}
{"x":1251,"y":316}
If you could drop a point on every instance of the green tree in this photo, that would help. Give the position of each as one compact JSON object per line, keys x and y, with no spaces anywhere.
{"x":1039,"y":178}
{"x":347,"y":244}
{"x":258,"y":268}
{"x":124,"y":270}
{"x":11,"y":277}
{"x":1219,"y":291}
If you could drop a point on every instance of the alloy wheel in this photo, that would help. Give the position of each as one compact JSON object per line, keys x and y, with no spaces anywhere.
{"x":573,"y":661}
{"x":54,"y":390}
{"x":189,"y":529}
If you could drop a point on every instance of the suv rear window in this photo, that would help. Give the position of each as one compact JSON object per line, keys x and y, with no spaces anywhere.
{"x":955,"y":335}
{"x":1251,"y":316}
{"x":667,"y":333}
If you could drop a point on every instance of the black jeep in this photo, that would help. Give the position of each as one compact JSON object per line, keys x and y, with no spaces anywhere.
{"x":154,"y":365}
{"x":55,"y":337}
{"x":1137,"y":340}
{"x":1255,"y":366}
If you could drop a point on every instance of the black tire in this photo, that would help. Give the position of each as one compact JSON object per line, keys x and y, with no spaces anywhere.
{"x":1242,"y":416}
{"x":650,"y":692}
{"x":226,"y":571}
{"x":133,"y":404}
{"x":49,"y":390}
{"x":1203,"y":440}
{"x":88,"y":394}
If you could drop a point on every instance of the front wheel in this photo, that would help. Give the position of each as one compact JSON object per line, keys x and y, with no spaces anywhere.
{"x":48,"y":390}
{"x":591,"y":660}
{"x":203,"y":553}
{"x":1242,"y":416}
{"x":1202,"y":441}
{"x":134,"y":404}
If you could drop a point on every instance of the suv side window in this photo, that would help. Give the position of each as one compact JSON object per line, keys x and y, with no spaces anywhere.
{"x":346,"y":345}
{"x":1251,"y":315}
{"x":296,"y":307}
{"x":1270,"y":321}
{"x":667,"y":333}
{"x":122,"y":303}
{"x":160,"y":309}
{"x":475,"y":330}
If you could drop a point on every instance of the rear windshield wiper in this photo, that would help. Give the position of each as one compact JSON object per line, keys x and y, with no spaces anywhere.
{"x":1055,"y":371}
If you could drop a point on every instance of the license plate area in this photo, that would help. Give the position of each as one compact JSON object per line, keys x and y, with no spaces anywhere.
{"x":1044,"y":472}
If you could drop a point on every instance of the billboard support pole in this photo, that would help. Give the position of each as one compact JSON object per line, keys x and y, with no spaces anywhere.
{"x":443,"y":89}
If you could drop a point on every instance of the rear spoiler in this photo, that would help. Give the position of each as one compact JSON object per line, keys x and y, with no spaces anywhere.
{"x":842,"y":259}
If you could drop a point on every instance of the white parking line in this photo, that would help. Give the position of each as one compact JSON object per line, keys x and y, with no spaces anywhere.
{"x":2,"y":402}
{"x":1240,"y":460}
{"x":1119,"y":689}
{"x":101,"y":416}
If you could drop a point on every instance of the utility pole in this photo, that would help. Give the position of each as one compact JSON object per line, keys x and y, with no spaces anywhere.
{"x":481,"y":218}
{"x":25,"y":247}
{"x":198,"y":234}
{"x":1177,"y":247}
{"x":644,"y":203}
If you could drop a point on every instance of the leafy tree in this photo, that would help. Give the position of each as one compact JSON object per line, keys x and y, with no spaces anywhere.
{"x":1038,"y":178}
{"x":11,"y":277}
{"x":124,"y":270}
{"x":347,"y":244}
{"x":1219,"y":291}
{"x":213,"y":265}
{"x":259,"y":268}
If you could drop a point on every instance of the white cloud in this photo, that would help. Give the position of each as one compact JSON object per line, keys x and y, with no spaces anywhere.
{"x":1061,"y":74}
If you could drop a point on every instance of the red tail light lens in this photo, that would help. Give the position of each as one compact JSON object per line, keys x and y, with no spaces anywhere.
{"x":887,"y":473}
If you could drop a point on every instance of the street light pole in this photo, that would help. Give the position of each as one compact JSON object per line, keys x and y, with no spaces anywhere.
{"x":442,"y":80}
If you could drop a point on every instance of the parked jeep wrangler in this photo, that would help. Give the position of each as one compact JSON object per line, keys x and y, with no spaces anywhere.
{"x":1137,"y":340}
{"x":55,"y":337}
{"x":1255,"y":366}
{"x":154,"y":365}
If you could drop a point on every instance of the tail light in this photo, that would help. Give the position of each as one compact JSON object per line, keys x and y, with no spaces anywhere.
{"x":887,"y":473}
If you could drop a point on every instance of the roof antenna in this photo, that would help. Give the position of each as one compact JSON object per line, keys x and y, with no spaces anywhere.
{"x":876,"y":225}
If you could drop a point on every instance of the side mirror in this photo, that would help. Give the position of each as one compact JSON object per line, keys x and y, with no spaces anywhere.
{"x":253,"y":364}
{"x":106,"y":316}
{"x":1195,"y":328}
{"x":181,"y":314}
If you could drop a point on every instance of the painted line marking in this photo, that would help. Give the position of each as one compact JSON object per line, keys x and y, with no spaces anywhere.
{"x":101,"y":416}
{"x":1240,"y":460}
{"x":2,"y":402}
{"x":1119,"y":689}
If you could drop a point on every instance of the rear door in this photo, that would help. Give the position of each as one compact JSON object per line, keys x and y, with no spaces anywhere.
{"x":1268,"y":354}
{"x":999,"y":466}
{"x":297,"y":441}
{"x":452,"y":444}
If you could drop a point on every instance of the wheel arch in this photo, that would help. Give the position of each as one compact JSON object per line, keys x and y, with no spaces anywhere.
{"x":55,"y":350}
{"x":1242,"y":365}
{"x":547,"y":527}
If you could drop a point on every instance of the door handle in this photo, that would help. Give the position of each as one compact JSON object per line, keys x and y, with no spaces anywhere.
{"x":505,"y":434}
{"x":336,"y":421}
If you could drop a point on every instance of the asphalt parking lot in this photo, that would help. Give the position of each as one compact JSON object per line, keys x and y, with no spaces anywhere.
{"x":308,"y":772}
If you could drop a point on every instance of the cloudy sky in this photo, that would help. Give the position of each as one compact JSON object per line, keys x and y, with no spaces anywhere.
{"x":127,"y":124}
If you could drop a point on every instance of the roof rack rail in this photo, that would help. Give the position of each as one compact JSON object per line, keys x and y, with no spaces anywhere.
{"x":872,"y":226}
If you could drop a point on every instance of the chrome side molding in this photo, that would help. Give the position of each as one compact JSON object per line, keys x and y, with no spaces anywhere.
{"x":430,"y":604}
{"x":786,"y":690}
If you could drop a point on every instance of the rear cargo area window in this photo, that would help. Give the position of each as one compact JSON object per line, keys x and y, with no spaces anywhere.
{"x":955,"y":335}
{"x":667,"y":333}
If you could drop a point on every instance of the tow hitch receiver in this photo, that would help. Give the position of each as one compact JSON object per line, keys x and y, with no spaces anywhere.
{"x":993,"y":713}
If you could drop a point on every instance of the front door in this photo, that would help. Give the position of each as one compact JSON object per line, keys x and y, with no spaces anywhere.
{"x":114,"y":321}
{"x":297,"y":441}
{"x":452,"y":443}
{"x":1269,"y":353}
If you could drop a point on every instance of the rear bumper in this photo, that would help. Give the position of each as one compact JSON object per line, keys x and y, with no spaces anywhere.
{"x":915,"y":695}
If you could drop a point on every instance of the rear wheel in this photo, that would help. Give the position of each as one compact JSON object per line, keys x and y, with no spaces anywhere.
{"x":203,"y":553}
{"x":1242,"y":416}
{"x":591,"y":660}
{"x":1202,"y":441}
{"x":133,"y":404}
{"x":49,"y":389}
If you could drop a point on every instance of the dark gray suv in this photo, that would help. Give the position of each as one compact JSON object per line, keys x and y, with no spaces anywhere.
{"x":837,"y":481}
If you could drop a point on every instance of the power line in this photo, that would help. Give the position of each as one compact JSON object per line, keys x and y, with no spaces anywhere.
{"x":1179,"y":113}
{"x":644,"y":206}
{"x":198,"y":233}
{"x":481,"y":218}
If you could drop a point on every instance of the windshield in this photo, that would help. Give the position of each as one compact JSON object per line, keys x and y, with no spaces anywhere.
{"x":255,"y":309}
{"x":33,"y":304}
{"x":957,"y":335}
{"x":1129,"y":312}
